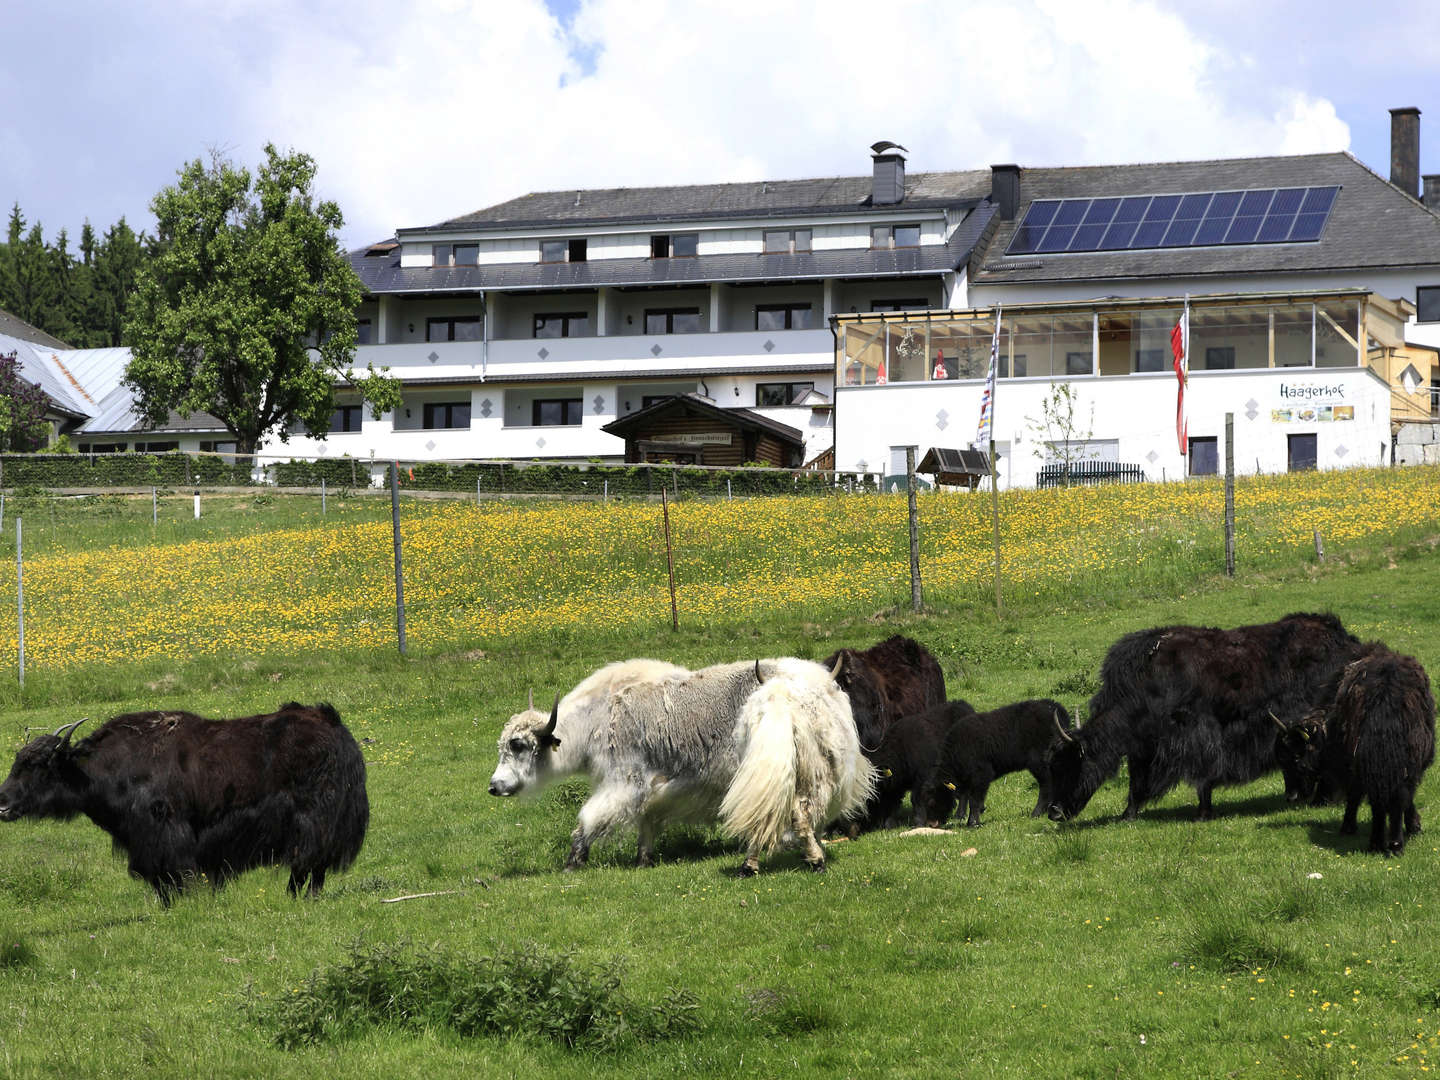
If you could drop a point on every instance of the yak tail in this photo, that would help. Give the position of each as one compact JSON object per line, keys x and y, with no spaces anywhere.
{"x":800,"y":764}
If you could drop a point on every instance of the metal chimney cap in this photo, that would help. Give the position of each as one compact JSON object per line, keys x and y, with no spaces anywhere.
{"x":884,"y":145}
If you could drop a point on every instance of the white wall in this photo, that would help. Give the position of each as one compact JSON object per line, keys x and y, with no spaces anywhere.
{"x":1136,"y":410}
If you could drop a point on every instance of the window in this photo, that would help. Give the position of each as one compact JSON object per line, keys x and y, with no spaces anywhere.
{"x":1300,"y":452}
{"x":346,"y":418}
{"x":104,"y":448}
{"x":553,"y":251}
{"x":440,"y":254}
{"x":1149,"y":359}
{"x":156,"y":447}
{"x":1004,"y":365}
{"x":555,"y":412}
{"x":467,"y":254}
{"x":674,"y":245}
{"x":453,"y":328}
{"x":786,"y":241}
{"x":447,"y":414}
{"x":783,"y":317}
{"x":654,"y":399}
{"x":779,"y":393}
{"x":1204,"y":455}
{"x":1220,"y":358}
{"x":894,"y":236}
{"x":1427,"y":303}
{"x":562,"y":324}
{"x":364,"y":332}
{"x":672,"y":321}
{"x":914,"y":304}
{"x":209,"y":446}
{"x":1077,"y":363}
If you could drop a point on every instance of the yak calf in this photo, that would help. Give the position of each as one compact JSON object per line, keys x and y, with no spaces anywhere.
{"x":981,"y":747}
{"x":905,"y":762}
{"x":1374,"y":742}
{"x":183,"y":796}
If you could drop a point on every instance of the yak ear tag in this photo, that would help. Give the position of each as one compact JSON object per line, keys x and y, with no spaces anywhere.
{"x":888,"y":773}
{"x":950,"y":786}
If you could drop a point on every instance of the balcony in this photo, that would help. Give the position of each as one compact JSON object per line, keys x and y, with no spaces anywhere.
{"x":584,"y":357}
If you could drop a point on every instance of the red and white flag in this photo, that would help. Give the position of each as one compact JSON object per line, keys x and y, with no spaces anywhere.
{"x":1180,"y":348}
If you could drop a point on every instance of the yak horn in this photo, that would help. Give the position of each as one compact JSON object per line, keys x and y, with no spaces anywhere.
{"x":839,"y":663}
{"x":530,"y":700}
{"x":65,"y":730}
{"x":1055,"y":714}
{"x":758,"y":677}
{"x":1278,"y":722}
{"x":549,"y":729}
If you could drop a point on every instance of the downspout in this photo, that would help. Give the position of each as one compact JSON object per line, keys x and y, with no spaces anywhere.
{"x":484,"y":336}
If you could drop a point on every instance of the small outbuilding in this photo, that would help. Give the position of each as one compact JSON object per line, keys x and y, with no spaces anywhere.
{"x":692,"y":430}
{"x":956,"y":468}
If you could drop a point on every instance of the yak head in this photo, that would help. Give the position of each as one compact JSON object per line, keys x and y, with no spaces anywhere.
{"x":525,"y":750}
{"x":42,"y":780}
{"x":1299,"y":748}
{"x":1073,"y":777}
{"x":867,"y":699}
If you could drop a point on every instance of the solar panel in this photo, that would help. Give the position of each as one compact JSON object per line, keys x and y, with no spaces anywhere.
{"x":1200,"y":219}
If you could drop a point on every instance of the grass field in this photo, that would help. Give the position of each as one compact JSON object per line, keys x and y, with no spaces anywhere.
{"x":1260,"y":944}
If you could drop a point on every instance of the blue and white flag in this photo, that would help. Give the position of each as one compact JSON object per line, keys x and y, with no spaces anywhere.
{"x":987,"y":402}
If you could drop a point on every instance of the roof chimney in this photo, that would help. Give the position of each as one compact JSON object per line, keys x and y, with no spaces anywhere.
{"x":1005,"y":189}
{"x":1405,"y":150}
{"x":889,"y":185}
{"x":1432,"y":191}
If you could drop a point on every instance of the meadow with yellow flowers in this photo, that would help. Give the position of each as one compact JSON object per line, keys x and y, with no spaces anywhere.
{"x":1262,"y":943}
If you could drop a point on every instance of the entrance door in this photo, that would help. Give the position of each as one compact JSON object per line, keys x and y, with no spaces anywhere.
{"x":1300,"y":452}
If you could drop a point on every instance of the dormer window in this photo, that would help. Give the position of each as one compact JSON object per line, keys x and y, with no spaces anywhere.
{"x":440,"y":254}
{"x":786,"y":241}
{"x":674,"y":245}
{"x":467,"y":254}
{"x":883,"y":237}
{"x":559,"y":251}
{"x":454,"y":254}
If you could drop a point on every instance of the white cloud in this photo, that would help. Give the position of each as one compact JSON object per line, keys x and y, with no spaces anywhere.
{"x":439,"y":107}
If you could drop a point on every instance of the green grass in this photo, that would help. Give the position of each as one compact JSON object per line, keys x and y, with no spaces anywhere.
{"x":1160,"y":947}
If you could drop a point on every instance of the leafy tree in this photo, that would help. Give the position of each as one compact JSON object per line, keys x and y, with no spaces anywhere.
{"x":1062,"y":432}
{"x":247,"y":310}
{"x":23,"y":426}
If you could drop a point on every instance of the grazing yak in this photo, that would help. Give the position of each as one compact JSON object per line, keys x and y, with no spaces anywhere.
{"x":981,"y":747}
{"x":1195,"y":704}
{"x":895,"y":678}
{"x":663,"y":744}
{"x":905,"y":761}
{"x":183,"y":796}
{"x":1374,"y":741}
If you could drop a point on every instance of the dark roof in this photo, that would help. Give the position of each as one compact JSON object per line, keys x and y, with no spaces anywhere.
{"x":1373,"y":225}
{"x":696,"y":405}
{"x":384,"y":274}
{"x":759,"y":198}
{"x":943,"y":461}
{"x":13,"y":326}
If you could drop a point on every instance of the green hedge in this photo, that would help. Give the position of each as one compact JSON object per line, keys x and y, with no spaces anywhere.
{"x":120,"y":470}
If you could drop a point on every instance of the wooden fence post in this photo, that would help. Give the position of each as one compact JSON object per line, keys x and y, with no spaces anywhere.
{"x":1230,"y":494}
{"x":399,"y":575}
{"x":916,"y":599}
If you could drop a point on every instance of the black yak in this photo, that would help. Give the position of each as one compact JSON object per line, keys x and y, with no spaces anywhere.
{"x":981,"y":747}
{"x":895,"y":678}
{"x":905,"y":761}
{"x":1374,"y":742}
{"x":183,"y":796}
{"x":1196,"y":704}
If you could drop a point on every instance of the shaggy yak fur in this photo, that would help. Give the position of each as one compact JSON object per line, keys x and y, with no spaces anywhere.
{"x":906,"y":759}
{"x":663,"y":744}
{"x":1196,"y":704}
{"x":1374,"y":742}
{"x":183,"y":796}
{"x":895,"y":678}
{"x":981,"y":747}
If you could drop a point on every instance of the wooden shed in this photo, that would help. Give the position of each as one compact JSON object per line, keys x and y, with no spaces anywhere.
{"x":690,"y":430}
{"x":957,"y":468}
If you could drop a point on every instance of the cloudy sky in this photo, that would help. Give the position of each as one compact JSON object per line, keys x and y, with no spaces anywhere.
{"x":419,"y":111}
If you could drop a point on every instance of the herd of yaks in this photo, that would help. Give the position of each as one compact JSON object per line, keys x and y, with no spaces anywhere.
{"x":776,"y":750}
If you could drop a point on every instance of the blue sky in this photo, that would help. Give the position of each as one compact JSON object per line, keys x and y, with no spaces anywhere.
{"x":419,"y":112}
